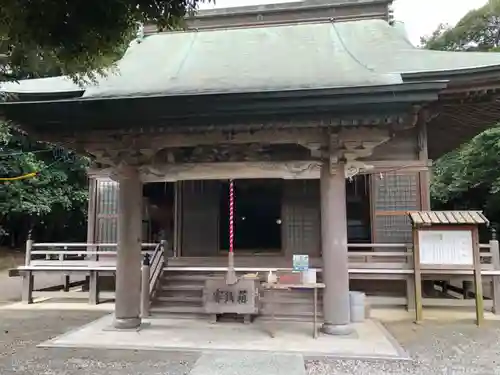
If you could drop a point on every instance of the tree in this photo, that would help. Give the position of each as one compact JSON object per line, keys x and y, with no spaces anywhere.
{"x":46,"y":202}
{"x":469,"y":177}
{"x":478,"y":30}
{"x":78,"y":38}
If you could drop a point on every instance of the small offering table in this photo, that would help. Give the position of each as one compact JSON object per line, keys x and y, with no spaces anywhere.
{"x":276,"y":286}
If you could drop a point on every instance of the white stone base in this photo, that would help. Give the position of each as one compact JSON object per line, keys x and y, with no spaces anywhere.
{"x":370,"y":341}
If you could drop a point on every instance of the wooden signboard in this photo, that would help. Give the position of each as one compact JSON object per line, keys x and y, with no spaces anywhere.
{"x":446,"y":249}
{"x":441,"y":248}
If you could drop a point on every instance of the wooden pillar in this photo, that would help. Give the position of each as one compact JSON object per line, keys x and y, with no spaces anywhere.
{"x":424,"y":176}
{"x":67,"y":282}
{"x":495,"y":260}
{"x":92,"y":215}
{"x":128,"y":265}
{"x":424,"y":188}
{"x":410,"y":283}
{"x":334,"y":251}
{"x":176,"y":238}
{"x":27,"y":289}
{"x":94,"y":288}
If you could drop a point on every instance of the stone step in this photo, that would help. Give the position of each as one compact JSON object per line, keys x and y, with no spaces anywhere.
{"x":179,"y":299}
{"x":198,"y":294}
{"x":187,"y":283}
{"x":177,"y":309}
{"x":183,"y":277}
{"x":181,"y":287}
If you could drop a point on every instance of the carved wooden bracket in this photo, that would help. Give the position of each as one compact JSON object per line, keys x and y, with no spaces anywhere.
{"x":349,"y":145}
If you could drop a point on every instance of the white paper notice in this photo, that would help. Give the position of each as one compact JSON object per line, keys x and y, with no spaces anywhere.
{"x":446,"y":247}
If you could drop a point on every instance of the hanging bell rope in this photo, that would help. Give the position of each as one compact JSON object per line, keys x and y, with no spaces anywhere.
{"x":231,"y":216}
{"x":231,"y":278}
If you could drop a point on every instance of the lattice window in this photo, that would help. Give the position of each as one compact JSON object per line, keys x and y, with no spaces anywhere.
{"x":301,"y":217}
{"x":397,"y":193}
{"x":107,"y":213}
{"x":393,"y":229}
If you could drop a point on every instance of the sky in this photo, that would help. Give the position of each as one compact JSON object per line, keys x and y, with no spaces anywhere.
{"x":421,"y":17}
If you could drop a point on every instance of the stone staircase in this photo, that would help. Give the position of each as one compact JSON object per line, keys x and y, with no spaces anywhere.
{"x":180,"y":294}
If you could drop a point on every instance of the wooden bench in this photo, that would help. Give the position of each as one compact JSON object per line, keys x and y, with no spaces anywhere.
{"x":26,"y":272}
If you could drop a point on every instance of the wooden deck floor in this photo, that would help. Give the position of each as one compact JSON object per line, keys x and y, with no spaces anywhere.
{"x":263,"y":261}
{"x":218,"y":261}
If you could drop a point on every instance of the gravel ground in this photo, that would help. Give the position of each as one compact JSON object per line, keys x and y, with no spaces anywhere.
{"x":21,"y":331}
{"x":436,"y":347}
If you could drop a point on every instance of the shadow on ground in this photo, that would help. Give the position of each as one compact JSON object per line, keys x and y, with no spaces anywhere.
{"x":437,"y":348}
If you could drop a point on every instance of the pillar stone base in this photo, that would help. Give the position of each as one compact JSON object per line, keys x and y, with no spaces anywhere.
{"x":337,"y":329}
{"x":127,"y":323}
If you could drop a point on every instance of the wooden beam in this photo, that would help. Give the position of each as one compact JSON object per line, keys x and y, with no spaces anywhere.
{"x":172,"y":140}
{"x":299,"y":169}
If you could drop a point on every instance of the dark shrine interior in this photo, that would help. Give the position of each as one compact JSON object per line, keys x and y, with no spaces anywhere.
{"x":257,"y":213}
{"x":160,"y":197}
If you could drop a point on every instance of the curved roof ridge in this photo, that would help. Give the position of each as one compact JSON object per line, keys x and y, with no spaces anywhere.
{"x":349,"y":52}
{"x":389,"y":51}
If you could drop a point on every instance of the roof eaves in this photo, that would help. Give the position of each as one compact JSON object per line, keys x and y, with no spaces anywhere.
{"x":282,"y":7}
{"x":24,"y":97}
{"x":397,"y":91}
{"x":445,"y":74}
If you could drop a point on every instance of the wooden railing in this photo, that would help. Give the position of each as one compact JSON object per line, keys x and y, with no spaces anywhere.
{"x":393,"y":262}
{"x":152,"y":267}
{"x":157,"y":262}
{"x":72,"y":253}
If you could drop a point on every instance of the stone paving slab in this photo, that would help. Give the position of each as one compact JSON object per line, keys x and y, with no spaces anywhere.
{"x":249,"y":363}
{"x":437,"y":347}
{"x":370,"y":341}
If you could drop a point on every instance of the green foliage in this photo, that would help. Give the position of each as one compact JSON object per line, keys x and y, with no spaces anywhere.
{"x":78,"y":37}
{"x":469,"y":177}
{"x":479,"y":30}
{"x":58,"y":189}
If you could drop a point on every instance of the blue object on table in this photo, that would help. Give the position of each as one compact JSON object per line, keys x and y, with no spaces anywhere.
{"x":300,"y":262}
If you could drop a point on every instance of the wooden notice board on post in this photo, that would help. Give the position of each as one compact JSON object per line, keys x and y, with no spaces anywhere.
{"x":447,"y":241}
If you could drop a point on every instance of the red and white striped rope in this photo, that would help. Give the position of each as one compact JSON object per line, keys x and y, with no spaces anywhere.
{"x":231,"y":216}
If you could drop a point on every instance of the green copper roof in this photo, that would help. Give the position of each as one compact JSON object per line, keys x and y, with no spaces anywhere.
{"x":291,"y":57}
{"x":259,"y":59}
{"x":386,"y":49}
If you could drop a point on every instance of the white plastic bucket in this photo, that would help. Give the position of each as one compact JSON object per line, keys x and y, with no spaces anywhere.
{"x":357,"y":302}
{"x":309,"y":276}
